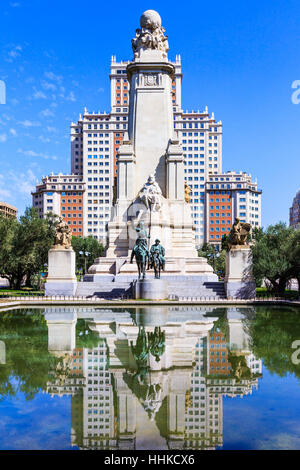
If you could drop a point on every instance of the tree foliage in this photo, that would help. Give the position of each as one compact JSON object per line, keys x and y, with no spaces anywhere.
{"x":276,"y":255}
{"x":216,"y":259}
{"x":86,"y":245}
{"x":24,"y":246}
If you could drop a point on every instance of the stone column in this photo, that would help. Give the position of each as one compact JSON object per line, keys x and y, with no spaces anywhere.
{"x":126,"y":167}
{"x":239,"y":281}
{"x":175,"y":170}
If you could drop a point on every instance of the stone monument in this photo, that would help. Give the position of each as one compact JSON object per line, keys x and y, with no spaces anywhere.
{"x":239,"y":281}
{"x":61,"y":278}
{"x":150,"y":172}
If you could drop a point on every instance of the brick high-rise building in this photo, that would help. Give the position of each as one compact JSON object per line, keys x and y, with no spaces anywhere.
{"x":230,"y":195}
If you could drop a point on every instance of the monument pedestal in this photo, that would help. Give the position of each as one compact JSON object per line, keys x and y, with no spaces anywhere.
{"x":239,"y":281}
{"x":151,"y":289}
{"x":61,"y":278}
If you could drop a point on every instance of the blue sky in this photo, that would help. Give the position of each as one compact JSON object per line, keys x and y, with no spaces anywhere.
{"x":239,"y":58}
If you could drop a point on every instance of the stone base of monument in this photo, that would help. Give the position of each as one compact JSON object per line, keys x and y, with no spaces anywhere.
{"x":239,"y":282}
{"x":61,"y":278}
{"x":61,"y":330}
{"x":150,"y":289}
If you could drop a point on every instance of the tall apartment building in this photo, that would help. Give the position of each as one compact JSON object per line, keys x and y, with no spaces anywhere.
{"x":62,"y":195}
{"x":95,"y":140}
{"x":230,"y":195}
{"x":295,"y":211}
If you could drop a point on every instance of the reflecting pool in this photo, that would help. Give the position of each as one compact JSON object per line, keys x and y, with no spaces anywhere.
{"x":150,"y":378}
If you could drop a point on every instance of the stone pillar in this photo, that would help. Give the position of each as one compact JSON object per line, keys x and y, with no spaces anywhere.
{"x":61,"y":329}
{"x":239,"y":281}
{"x":175,"y":170}
{"x":61,"y":278}
{"x":126,"y":164}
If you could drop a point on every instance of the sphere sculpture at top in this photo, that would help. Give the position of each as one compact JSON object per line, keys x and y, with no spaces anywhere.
{"x":150,"y":19}
{"x":151,"y":35}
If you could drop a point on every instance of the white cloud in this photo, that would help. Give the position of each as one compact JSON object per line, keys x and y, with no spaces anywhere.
{"x":13,"y":131}
{"x":4,"y":193}
{"x":48,"y":86}
{"x":51,"y":129}
{"x":52,"y":76}
{"x":47,"y":113}
{"x":28,"y":123}
{"x":43,"y":139}
{"x":32,"y":153}
{"x":3,"y":137}
{"x":37,"y":95}
{"x":71,"y":97}
{"x":14,"y":52}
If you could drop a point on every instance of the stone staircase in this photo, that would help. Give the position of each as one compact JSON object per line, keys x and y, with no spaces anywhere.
{"x":105,"y":290}
{"x":122,"y":289}
{"x":207,"y":290}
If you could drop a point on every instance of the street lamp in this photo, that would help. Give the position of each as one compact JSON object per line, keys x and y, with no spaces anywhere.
{"x":85,"y":254}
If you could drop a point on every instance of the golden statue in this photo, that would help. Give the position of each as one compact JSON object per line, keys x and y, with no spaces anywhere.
{"x":187,"y":192}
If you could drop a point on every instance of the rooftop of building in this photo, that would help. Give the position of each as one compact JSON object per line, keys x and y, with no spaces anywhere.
{"x":5,"y":204}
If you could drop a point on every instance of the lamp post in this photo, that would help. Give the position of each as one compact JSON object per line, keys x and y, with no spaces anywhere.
{"x":85,"y":255}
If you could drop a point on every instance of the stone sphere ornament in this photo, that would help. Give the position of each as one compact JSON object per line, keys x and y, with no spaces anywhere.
{"x":150,"y":19}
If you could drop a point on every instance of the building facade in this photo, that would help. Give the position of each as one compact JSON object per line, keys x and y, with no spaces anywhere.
{"x":62,"y":195}
{"x":230,"y":195}
{"x":295,"y":211}
{"x":8,"y":210}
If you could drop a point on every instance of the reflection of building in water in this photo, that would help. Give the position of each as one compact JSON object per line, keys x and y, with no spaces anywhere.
{"x":125,"y":397}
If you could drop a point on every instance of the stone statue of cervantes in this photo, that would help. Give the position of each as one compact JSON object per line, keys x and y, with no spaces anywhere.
{"x":151,"y":194}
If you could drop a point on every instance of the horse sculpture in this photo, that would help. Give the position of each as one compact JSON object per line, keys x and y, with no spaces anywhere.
{"x":141,"y":255}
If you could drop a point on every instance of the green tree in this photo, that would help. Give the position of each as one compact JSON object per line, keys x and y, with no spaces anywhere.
{"x":24,"y":246}
{"x":215,"y":258}
{"x":276,"y":255}
{"x":86,"y":245}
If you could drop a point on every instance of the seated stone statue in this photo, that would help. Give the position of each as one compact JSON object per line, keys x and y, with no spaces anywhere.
{"x":239,"y":233}
{"x":63,"y":235}
{"x":151,"y":194}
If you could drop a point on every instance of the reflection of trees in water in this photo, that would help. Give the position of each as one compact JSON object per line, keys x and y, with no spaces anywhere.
{"x":28,"y":361}
{"x":272,"y":332}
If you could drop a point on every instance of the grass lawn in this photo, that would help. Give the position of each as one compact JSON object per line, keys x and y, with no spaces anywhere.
{"x":289,"y":294}
{"x":6,"y":292}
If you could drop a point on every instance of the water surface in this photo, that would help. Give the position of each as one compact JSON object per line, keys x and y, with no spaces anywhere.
{"x":149,"y":378}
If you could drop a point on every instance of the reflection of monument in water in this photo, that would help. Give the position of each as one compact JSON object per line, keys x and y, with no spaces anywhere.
{"x":172,"y":399}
